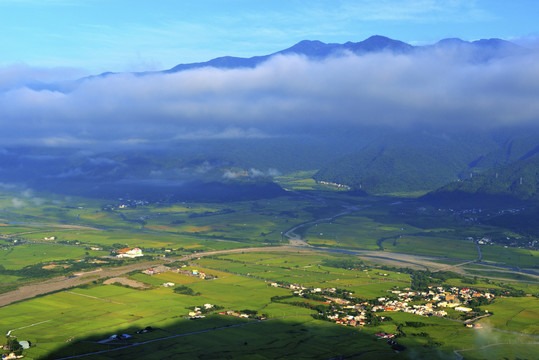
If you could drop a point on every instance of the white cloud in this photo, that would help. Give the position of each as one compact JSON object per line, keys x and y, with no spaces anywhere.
{"x":18,"y":203}
{"x":279,"y":98}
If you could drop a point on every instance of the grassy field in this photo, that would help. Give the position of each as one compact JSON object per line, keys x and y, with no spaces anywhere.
{"x":72,"y":322}
{"x":511,"y":256}
{"x":302,"y":180}
{"x":17,"y":257}
{"x":514,"y":314}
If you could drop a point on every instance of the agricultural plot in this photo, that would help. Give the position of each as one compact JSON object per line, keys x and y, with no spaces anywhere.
{"x":485,"y":283}
{"x":514,"y":314}
{"x":175,"y":278}
{"x":299,"y":337}
{"x":10,"y":229}
{"x":365,"y":233}
{"x":432,"y":245}
{"x":99,"y":311}
{"x":248,"y":222}
{"x":365,"y":284}
{"x":510,"y":256}
{"x":356,"y":232}
{"x":438,"y":338}
{"x":74,"y":321}
{"x":17,"y":257}
{"x":514,"y":351}
{"x":4,"y":279}
{"x":303,"y":180}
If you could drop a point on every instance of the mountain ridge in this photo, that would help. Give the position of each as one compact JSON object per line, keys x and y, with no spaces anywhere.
{"x":314,"y":49}
{"x":475,"y":51}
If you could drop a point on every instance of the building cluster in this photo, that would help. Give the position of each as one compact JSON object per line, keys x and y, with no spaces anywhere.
{"x":345,"y":311}
{"x":156,"y":270}
{"x":197,"y":311}
{"x":162,"y":268}
{"x":195,"y":273}
{"x":340,"y":186}
{"x":129,"y":253}
{"x":238,"y":314}
{"x":11,"y":356}
{"x":435,"y":299}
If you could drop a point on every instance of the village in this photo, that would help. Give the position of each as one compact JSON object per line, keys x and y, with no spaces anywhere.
{"x":434,"y":302}
{"x":194,"y":272}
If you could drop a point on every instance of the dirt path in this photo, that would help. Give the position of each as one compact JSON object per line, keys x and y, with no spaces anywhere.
{"x":59,"y":283}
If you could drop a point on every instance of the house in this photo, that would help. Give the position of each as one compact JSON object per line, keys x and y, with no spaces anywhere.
{"x":463,"y":309}
{"x":11,"y":356}
{"x":129,"y":252}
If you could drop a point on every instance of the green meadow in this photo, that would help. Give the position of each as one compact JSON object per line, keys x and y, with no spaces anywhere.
{"x":17,"y":257}
{"x":514,"y":314}
{"x":73,"y":322}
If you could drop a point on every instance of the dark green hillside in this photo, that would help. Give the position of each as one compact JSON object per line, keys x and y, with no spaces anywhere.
{"x":407,"y":162}
{"x":512,"y":148}
{"x":519,"y":180}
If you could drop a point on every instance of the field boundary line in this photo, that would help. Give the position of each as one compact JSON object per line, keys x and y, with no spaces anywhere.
{"x":95,"y":297}
{"x":160,"y":339}
{"x":24,"y":327}
{"x":172,"y":337}
{"x":460,"y":357}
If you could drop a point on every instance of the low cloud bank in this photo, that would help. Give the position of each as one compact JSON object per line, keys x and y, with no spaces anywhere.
{"x":281,"y":97}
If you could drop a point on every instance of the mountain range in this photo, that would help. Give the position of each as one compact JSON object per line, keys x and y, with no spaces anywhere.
{"x":374,"y":159}
{"x":474,"y":51}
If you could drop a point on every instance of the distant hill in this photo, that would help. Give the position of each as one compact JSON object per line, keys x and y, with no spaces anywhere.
{"x":407,"y":162}
{"x":423,"y":160}
{"x":521,"y":146}
{"x":517,"y":180}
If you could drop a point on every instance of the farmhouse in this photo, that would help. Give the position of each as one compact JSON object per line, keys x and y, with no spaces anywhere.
{"x":11,"y":356}
{"x":129,"y":252}
{"x":157,"y":270}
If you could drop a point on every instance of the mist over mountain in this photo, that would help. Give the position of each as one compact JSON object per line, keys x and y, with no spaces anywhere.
{"x":379,"y":113}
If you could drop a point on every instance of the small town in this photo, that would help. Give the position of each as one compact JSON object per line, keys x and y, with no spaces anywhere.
{"x":434,"y":302}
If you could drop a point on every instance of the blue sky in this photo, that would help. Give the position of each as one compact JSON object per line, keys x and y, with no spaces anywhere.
{"x":135,"y":35}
